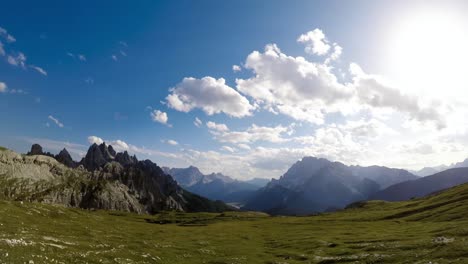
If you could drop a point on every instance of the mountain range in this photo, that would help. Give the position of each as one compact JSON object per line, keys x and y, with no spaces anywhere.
{"x":426,"y":171}
{"x":103,"y":179}
{"x":107,"y":179}
{"x":423,"y":186}
{"x":316,"y":185}
{"x":215,"y":186}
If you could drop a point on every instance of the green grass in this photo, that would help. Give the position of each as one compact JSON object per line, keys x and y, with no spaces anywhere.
{"x":3,"y":148}
{"x":430,"y":230}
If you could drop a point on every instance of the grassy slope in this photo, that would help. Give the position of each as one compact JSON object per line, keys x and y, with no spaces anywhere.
{"x":431,"y":229}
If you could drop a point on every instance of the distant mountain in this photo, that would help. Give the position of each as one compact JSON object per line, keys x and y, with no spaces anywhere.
{"x":215,"y":186}
{"x":317,"y":185}
{"x":423,"y":186}
{"x":104,"y":179}
{"x":186,"y":177}
{"x":259,"y":182}
{"x":426,"y":171}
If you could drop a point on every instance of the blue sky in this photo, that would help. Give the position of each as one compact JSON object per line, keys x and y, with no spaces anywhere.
{"x":102,"y":71}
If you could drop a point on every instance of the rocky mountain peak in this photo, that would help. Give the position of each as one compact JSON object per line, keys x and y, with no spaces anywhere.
{"x":96,"y":157}
{"x":125,"y":159}
{"x":36,"y":149}
{"x":65,"y":158}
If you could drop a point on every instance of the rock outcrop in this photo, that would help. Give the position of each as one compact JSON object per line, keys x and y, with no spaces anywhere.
{"x":104,"y":179}
{"x":65,"y":158}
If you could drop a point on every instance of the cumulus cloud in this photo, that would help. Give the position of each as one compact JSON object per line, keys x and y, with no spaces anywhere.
{"x":4,"y":33}
{"x":197,"y":122}
{"x":252,"y":134}
{"x":217,"y":127}
{"x":56,"y":121}
{"x":118,"y":144}
{"x":315,"y":42}
{"x":292,"y":85}
{"x":95,"y":140}
{"x":39,"y":70}
{"x":211,"y":95}
{"x":159,"y":116}
{"x":172,"y":142}
{"x":236,"y":68}
{"x":375,"y":93}
{"x":3,"y":87}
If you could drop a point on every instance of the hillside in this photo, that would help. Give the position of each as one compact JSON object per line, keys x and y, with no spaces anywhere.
{"x":423,"y":186}
{"x":427,"y":230}
{"x":104,"y":179}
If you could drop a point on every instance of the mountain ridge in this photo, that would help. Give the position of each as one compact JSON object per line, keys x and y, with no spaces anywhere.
{"x":104,"y":179}
{"x":316,"y":185}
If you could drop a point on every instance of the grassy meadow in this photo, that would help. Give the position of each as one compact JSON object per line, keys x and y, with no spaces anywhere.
{"x":428,"y":230}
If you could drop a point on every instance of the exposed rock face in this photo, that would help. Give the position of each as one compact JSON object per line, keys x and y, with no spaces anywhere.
{"x":43,"y":179}
{"x":99,"y":182}
{"x":96,"y":157}
{"x":65,"y":158}
{"x":36,"y":149}
{"x":125,"y":159}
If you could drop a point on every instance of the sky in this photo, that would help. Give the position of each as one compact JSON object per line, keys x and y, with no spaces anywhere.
{"x":246,"y":88}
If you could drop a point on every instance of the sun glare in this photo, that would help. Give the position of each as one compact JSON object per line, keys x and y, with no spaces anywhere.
{"x":427,"y":54}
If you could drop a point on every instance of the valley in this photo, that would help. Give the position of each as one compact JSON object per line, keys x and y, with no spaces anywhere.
{"x":428,"y":230}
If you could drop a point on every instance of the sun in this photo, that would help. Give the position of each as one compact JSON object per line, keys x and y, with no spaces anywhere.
{"x":427,"y":54}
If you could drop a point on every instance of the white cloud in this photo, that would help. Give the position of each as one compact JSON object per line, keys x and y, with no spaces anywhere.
{"x":18,"y":61}
{"x":337,"y":51}
{"x":372,"y":91}
{"x":3,"y":87}
{"x":315,"y":41}
{"x":123,"y":43}
{"x":81,"y":57}
{"x":114,"y":57}
{"x":244,"y":146}
{"x":228,"y":149}
{"x":159,"y":116}
{"x":2,"y":49}
{"x":39,"y":70}
{"x":95,"y":140}
{"x":123,"y":53}
{"x":56,"y":121}
{"x":197,"y":122}
{"x":236,"y":68}
{"x":217,"y":127}
{"x":211,"y":95}
{"x":172,"y":142}
{"x":292,"y":85}
{"x":4,"y":33}
{"x":252,"y":134}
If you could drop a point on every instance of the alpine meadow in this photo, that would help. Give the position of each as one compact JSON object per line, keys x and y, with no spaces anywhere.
{"x":233,"y":132}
